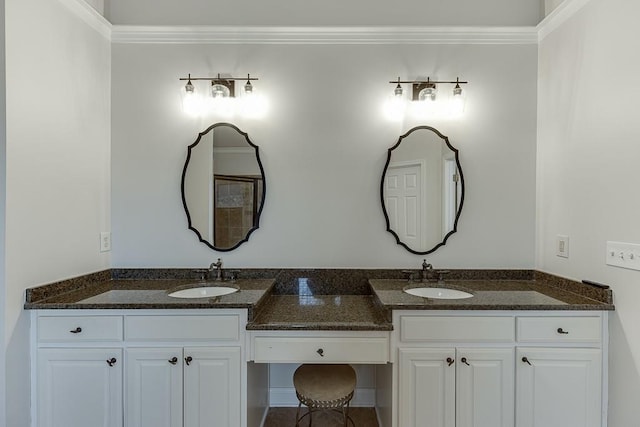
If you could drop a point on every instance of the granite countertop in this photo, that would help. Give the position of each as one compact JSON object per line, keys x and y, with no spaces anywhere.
{"x":313,"y":299}
{"x":149,"y":294}
{"x":321,"y":312}
{"x":491,"y":295}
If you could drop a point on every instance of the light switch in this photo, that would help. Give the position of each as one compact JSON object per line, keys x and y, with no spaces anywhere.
{"x":625,"y":255}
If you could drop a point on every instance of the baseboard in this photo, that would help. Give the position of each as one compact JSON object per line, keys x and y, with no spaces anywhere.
{"x":282,"y":397}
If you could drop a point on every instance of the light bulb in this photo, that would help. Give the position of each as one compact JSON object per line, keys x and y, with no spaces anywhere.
{"x":219,"y":90}
{"x":428,"y":93}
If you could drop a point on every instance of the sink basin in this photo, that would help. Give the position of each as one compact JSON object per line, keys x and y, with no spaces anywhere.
{"x":203,"y":292}
{"x":438,"y":293}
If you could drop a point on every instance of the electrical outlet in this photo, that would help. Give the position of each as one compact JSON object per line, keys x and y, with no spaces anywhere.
{"x":105,"y":241}
{"x":562,"y":246}
{"x":625,"y":255}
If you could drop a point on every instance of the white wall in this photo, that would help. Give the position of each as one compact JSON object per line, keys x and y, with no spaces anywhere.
{"x":58,"y":134}
{"x":3,"y":187}
{"x":323,"y":145}
{"x":588,"y":151}
{"x":326,"y":12}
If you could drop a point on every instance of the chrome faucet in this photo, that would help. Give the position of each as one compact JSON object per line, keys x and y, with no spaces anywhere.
{"x":218,"y":267}
{"x":426,"y":270}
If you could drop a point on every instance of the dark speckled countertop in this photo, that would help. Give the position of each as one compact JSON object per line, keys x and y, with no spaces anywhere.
{"x":153,"y":294}
{"x":320,"y":299}
{"x":321,"y":312}
{"x":487,"y":295}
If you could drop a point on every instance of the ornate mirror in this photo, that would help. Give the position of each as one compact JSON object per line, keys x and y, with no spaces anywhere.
{"x":422,"y":190}
{"x":223,"y":187}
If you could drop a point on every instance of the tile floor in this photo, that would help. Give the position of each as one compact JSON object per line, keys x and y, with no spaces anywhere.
{"x":286,"y":417}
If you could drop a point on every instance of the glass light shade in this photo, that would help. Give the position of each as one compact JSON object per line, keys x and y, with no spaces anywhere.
{"x":191,"y":103}
{"x":219,"y":91}
{"x":427,"y":94}
{"x":398,"y":91}
{"x":248,"y":87}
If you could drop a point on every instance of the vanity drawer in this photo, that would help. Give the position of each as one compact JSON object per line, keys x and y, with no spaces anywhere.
{"x":559,"y":329}
{"x":457,"y":329}
{"x":320,"y":350}
{"x":182,"y":328}
{"x":79,"y":328}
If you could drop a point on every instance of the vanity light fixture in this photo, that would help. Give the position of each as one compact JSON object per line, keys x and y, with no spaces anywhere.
{"x":428,"y":100}
{"x":425,"y":90}
{"x":221,"y":97}
{"x":221,"y":87}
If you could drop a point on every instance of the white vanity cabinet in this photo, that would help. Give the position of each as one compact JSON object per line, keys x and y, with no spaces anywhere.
{"x":79,"y":387}
{"x":205,"y":381}
{"x":559,"y":376}
{"x":447,"y":387}
{"x":499,"y":369}
{"x":139,"y":368}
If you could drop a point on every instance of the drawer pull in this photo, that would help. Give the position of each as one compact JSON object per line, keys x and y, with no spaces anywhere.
{"x":173,"y":360}
{"x":464,"y":360}
{"x":320,"y":352}
{"x":525,"y":360}
{"x":188,"y":360}
{"x":76,"y":330}
{"x":111,"y":361}
{"x":562,"y":331}
{"x":449,"y":361}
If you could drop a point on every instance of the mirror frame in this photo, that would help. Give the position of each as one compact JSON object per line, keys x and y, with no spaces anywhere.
{"x":184,"y":174}
{"x":384,"y":174}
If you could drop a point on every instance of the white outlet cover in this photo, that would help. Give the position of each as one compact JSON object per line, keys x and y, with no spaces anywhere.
{"x":562,"y":246}
{"x":105,"y":241}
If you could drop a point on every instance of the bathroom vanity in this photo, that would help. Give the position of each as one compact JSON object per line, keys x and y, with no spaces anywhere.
{"x":123,"y":353}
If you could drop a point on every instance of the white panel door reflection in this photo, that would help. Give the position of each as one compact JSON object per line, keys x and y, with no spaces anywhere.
{"x":405,"y":201}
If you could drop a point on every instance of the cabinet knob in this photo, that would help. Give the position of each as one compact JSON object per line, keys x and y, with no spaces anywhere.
{"x":450,"y":361}
{"x":464,"y":360}
{"x":76,"y":330}
{"x":188,"y":360}
{"x":320,"y":352}
{"x":562,"y":331}
{"x":173,"y":360}
{"x":525,"y":360}
{"x":111,"y":361}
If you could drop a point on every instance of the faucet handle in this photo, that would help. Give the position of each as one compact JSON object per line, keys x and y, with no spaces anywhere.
{"x":233,"y":274}
{"x":426,"y":266}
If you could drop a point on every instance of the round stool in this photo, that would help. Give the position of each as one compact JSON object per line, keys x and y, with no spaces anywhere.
{"x":322,"y":387}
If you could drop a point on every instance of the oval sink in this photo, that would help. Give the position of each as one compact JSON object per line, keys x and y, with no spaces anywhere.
{"x":438,"y":293}
{"x":204,"y":292}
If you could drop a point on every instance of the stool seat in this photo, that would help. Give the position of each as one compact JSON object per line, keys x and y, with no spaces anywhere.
{"x":325,"y":387}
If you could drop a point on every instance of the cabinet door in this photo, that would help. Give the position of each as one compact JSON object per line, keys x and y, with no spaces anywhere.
{"x":426,"y":387}
{"x":79,"y":387}
{"x":485,"y":387}
{"x":154,"y":387}
{"x":558,"y":387}
{"x":212,"y":387}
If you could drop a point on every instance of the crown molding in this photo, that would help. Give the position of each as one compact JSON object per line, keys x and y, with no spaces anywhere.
{"x":90,"y":16}
{"x":322,"y":35}
{"x":559,"y":16}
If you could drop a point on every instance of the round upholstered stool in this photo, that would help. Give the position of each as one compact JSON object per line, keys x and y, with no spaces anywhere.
{"x":324,"y":387}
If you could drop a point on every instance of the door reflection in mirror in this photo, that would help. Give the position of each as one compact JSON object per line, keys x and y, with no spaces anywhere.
{"x":223,"y":187}
{"x":422,"y":190}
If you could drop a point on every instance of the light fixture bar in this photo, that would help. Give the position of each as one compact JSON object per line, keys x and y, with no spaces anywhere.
{"x":218,"y":77}
{"x":415,"y":81}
